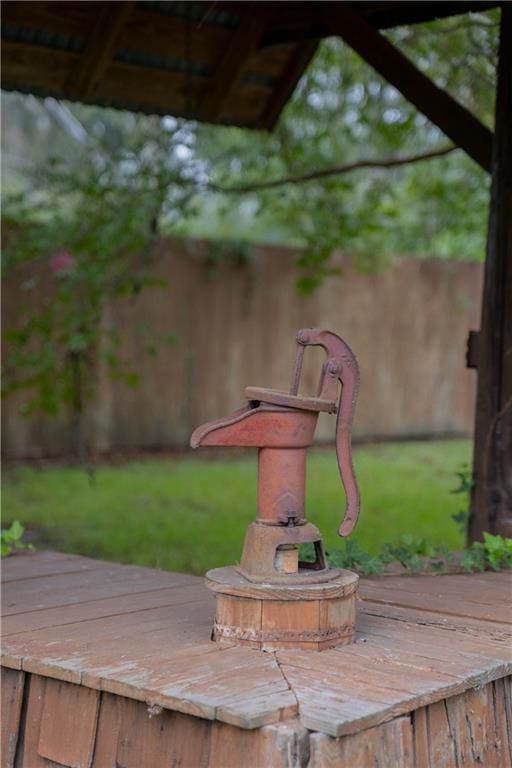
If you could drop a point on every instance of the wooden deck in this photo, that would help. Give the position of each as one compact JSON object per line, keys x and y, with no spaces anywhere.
{"x":108,"y":665}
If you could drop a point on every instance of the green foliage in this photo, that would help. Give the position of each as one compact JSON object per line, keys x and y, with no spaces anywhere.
{"x":190,"y":514}
{"x":465,"y":485}
{"x":493,"y":552}
{"x":342,"y":112}
{"x":233,"y":253}
{"x":355,"y":558}
{"x":415,"y":553}
{"x":11,"y":539}
{"x":111,"y":182}
{"x":88,"y":243}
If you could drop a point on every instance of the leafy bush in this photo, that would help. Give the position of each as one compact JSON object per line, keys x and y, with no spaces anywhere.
{"x":11,"y":539}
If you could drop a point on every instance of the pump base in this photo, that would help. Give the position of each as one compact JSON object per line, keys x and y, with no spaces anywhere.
{"x":272,"y":617}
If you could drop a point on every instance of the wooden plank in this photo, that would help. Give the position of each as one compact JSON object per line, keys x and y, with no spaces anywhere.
{"x":34,"y":565}
{"x":438,"y":596}
{"x":420,"y":738}
{"x":218,"y":680}
{"x":235,"y":58}
{"x":62,"y":654}
{"x":493,"y":637}
{"x":441,"y":747}
{"x":295,"y":67}
{"x":482,"y":588}
{"x":282,"y":745}
{"x":65,"y":706}
{"x":44,"y":69}
{"x":463,"y":627}
{"x":27,"y":755}
{"x":239,"y":612}
{"x":155,"y":33}
{"x":235,"y":686}
{"x":165,"y":94}
{"x":381,"y":747}
{"x":75,"y":588}
{"x":132,"y":655}
{"x":491,"y":498}
{"x":11,"y":702}
{"x":83,"y":80}
{"x":102,"y":608}
{"x":380,"y":631}
{"x":132,"y":735}
{"x":146,"y":31}
{"x":69,"y":18}
{"x":473,"y":730}
{"x":343,"y":695}
{"x":153,"y":646}
{"x":454,"y":120}
{"x":503,"y":720}
{"x":124,"y":86}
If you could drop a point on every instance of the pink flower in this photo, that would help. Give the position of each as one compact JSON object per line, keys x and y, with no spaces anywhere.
{"x":62,"y":262}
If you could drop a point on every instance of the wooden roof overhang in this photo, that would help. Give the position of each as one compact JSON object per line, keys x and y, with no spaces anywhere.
{"x":233,"y":63}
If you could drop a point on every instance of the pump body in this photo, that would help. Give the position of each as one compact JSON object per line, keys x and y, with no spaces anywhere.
{"x":282,"y":426}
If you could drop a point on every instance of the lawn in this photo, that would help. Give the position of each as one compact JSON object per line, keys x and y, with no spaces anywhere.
{"x":189,"y":514}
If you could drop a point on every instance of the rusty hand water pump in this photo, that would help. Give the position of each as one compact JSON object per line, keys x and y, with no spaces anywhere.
{"x":273,"y":599}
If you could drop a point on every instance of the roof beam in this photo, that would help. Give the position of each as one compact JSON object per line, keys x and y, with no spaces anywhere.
{"x":287,"y":83}
{"x":233,"y":63}
{"x":99,"y":49}
{"x":454,"y":120}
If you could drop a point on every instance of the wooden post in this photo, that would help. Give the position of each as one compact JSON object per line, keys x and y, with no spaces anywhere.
{"x":491,"y":500}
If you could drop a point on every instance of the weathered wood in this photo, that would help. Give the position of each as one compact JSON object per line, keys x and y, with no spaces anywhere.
{"x":471,"y":730}
{"x":132,"y":734}
{"x":405,"y":658}
{"x":11,"y":701}
{"x":102,"y":608}
{"x":420,"y":738}
{"x":125,"y":85}
{"x":235,"y":58}
{"x":381,"y":747}
{"x":63,"y":738}
{"x":93,"y":63}
{"x":452,"y":118}
{"x":462,"y":627}
{"x":287,"y":83}
{"x":80,"y":586}
{"x":491,"y":498}
{"x":272,"y":617}
{"x":431,"y":594}
{"x":27,"y":755}
{"x":33,"y":565}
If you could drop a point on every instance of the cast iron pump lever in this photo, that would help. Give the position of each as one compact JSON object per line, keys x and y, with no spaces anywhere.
{"x":341,"y":365}
{"x":282,"y":426}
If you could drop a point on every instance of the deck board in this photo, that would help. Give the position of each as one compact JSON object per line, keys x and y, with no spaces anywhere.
{"x":144,"y":635}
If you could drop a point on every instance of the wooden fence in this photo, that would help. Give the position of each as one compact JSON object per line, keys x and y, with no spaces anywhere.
{"x":235,"y":325}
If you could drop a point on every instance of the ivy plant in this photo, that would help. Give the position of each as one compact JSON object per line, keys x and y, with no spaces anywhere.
{"x":11,"y":539}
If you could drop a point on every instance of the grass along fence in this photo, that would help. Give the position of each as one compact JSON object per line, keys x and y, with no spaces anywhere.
{"x":190,"y":514}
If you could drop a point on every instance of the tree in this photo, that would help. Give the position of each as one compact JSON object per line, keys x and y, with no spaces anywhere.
{"x":94,"y":214}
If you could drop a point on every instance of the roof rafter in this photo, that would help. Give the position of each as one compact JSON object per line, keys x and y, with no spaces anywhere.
{"x":235,"y":58}
{"x":454,"y":120}
{"x":99,"y":49}
{"x":287,"y":83}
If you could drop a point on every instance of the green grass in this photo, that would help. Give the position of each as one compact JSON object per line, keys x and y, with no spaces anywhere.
{"x":188,"y":514}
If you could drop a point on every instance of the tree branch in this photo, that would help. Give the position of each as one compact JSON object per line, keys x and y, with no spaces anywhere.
{"x":335,"y":170}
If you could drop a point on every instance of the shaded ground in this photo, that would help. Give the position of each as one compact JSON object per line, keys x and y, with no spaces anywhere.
{"x":186,"y":514}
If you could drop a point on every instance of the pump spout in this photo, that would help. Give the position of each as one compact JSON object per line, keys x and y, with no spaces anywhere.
{"x":259,"y":425}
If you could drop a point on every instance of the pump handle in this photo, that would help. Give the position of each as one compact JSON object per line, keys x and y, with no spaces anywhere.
{"x":340,"y":366}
